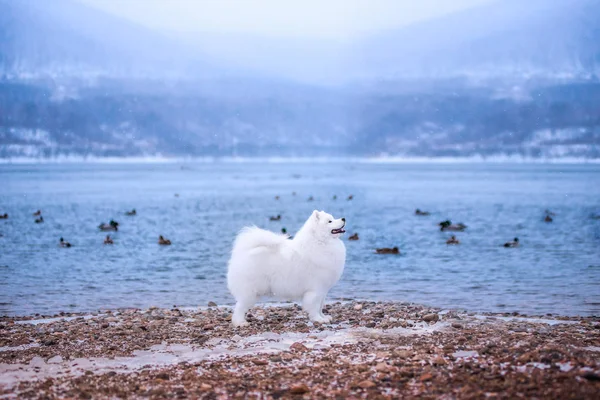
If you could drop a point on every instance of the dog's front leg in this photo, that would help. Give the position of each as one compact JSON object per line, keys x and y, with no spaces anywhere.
{"x":312,"y":303}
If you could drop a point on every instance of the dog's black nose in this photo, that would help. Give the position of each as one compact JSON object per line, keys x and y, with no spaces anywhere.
{"x":344,"y":219}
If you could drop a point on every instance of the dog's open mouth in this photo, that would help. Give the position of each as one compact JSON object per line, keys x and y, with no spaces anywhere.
{"x":338,"y":230}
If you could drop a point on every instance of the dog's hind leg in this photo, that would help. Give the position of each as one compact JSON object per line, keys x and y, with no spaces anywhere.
{"x":327,"y":317}
{"x":312,"y":303}
{"x":241,"y":308}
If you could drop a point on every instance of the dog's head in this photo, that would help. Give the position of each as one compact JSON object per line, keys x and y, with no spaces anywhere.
{"x":325,"y":226}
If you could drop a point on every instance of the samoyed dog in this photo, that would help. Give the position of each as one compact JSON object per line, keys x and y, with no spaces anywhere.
{"x":304,"y":268}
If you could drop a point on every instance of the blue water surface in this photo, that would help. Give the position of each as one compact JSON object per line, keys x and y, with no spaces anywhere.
{"x":556,"y":270}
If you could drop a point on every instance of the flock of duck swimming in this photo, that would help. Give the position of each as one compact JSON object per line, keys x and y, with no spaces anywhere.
{"x":112,"y":226}
{"x":445,"y":226}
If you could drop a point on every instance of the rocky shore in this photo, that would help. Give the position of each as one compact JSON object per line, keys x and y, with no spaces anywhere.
{"x":373,"y":350}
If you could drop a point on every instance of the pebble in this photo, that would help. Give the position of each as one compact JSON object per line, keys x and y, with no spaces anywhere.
{"x":55,"y":360}
{"x":366,"y":384}
{"x":299,"y":347}
{"x":358,"y":307}
{"x":382,"y":367}
{"x":212,"y":304}
{"x":430,"y":317}
{"x":426,"y":377}
{"x":299,"y":389}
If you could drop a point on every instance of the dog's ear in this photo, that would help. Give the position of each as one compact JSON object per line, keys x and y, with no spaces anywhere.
{"x":316,"y":215}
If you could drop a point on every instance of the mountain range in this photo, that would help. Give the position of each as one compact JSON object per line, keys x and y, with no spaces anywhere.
{"x":507,"y":78}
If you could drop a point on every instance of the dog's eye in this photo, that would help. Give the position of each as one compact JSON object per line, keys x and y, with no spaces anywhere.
{"x":330,"y":221}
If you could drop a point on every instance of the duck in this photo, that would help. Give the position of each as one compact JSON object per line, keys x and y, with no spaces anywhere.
{"x":353,"y":237}
{"x":293,"y":193}
{"x":4,"y":216}
{"x":421,"y":213}
{"x":37,"y":213}
{"x":39,"y":220}
{"x":131,"y":213}
{"x":387,"y":250}
{"x":453,"y":240}
{"x":350,"y":197}
{"x":277,"y":218}
{"x":63,"y":243}
{"x":108,"y":240}
{"x":176,"y":194}
{"x":514,"y":243}
{"x":284,"y":231}
{"x":311,"y":198}
{"x":163,"y":242}
{"x":111,"y":226}
{"x":449,"y":226}
{"x":548,"y":218}
{"x":276,"y":197}
{"x":334,"y":197}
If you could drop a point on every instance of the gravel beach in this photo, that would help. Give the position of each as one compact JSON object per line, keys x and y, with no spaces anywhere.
{"x":372,"y":350}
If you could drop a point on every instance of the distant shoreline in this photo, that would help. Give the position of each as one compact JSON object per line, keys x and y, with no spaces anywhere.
{"x":500,"y":159}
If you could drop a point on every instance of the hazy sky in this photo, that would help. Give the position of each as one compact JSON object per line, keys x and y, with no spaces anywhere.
{"x":305,"y":18}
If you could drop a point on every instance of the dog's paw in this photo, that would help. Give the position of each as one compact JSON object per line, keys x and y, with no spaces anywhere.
{"x":322,"y":319}
{"x":239,"y":324}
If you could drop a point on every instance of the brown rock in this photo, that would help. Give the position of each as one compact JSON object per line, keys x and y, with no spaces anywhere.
{"x":366,"y":384}
{"x":430,"y":317}
{"x":439,"y":361}
{"x":205,"y":387}
{"x":299,"y":347}
{"x":212,"y":304}
{"x":403,"y":353}
{"x":164,"y":376}
{"x":426,"y":377}
{"x":300,"y":388}
{"x":382,"y":367}
{"x":590,"y":376}
{"x":260,"y":362}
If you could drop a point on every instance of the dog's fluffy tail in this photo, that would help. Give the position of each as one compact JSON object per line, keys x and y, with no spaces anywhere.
{"x":251,"y":238}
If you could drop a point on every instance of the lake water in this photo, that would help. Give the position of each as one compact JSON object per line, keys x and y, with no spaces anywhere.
{"x":556,"y":270}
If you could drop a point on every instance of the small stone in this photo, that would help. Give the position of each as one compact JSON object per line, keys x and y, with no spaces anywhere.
{"x":439,"y":361}
{"x":382,"y":367}
{"x":590,"y":376}
{"x":37,"y":361}
{"x":403,"y":353}
{"x":358,"y":307}
{"x":205,"y":387}
{"x":430,"y":317}
{"x":260,"y":362}
{"x":366,"y":384}
{"x":299,"y":347}
{"x":164,"y":376}
{"x":426,"y":377}
{"x":456,"y":325}
{"x":55,"y":360}
{"x":299,"y":389}
{"x":212,"y":304}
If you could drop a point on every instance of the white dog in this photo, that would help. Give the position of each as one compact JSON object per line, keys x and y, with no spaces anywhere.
{"x":305,"y":268}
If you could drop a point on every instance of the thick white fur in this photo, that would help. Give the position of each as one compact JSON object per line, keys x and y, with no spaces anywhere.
{"x":305,"y":268}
